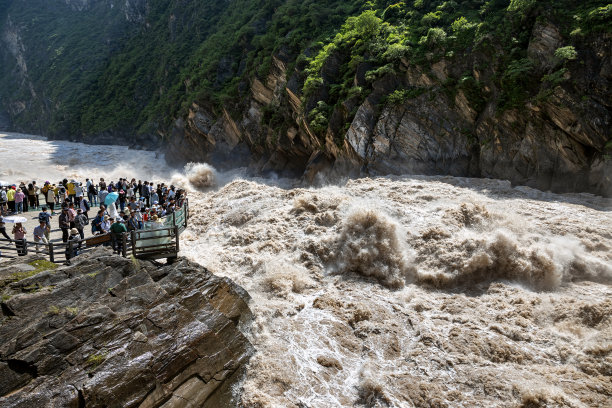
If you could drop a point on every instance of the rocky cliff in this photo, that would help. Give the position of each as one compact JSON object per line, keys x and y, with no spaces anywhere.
{"x":450,"y":121}
{"x":511,"y":89}
{"x":110,"y":331}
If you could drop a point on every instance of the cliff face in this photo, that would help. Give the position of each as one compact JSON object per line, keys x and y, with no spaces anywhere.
{"x":109,"y":331}
{"x":504,"y":89}
{"x":558,"y":140}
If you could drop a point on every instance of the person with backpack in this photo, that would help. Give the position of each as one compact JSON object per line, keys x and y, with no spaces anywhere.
{"x":85,"y":207}
{"x":45,"y":217}
{"x":3,"y":202}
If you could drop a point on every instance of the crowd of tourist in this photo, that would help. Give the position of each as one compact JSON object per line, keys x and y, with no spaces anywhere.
{"x":122,"y":206}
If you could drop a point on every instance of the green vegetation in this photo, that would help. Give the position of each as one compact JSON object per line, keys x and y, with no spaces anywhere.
{"x":40,"y":266}
{"x":54,"y":310}
{"x":93,"y":71}
{"x":95,"y":360}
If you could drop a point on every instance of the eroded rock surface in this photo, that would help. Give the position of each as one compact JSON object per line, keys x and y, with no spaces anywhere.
{"x":110,"y":331}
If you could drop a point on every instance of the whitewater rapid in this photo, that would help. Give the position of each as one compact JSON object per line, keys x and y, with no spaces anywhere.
{"x":402,"y":291}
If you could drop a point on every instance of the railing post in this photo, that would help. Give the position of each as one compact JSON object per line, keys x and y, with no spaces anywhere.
{"x":176,"y":234}
{"x":70,"y":249}
{"x":51,"y":255}
{"x":133,"y":237}
{"x":124,"y":244}
{"x":185,"y":213}
{"x":173,"y":219}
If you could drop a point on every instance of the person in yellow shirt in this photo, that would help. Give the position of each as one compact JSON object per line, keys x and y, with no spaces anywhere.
{"x":71,"y":190}
{"x":10,"y":194}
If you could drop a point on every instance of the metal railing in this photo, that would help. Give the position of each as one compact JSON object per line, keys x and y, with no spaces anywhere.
{"x":157,"y":240}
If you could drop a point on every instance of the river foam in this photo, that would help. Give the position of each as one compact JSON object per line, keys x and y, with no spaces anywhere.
{"x":415,"y":291}
{"x":393,"y":291}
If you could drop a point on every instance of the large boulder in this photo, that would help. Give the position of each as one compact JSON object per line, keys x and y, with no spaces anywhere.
{"x":110,"y":331}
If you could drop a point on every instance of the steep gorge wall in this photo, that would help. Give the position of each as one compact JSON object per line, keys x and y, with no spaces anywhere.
{"x":153,"y":72}
{"x":558,"y":141}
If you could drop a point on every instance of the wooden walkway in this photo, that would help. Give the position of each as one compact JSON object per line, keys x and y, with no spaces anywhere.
{"x":155,"y":241}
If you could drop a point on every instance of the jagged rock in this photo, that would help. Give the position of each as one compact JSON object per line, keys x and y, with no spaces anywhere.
{"x":110,"y":331}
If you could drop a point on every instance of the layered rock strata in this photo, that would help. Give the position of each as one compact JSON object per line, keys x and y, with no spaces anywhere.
{"x":110,"y":331}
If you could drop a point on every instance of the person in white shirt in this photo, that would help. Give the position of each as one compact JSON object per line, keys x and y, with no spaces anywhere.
{"x":105,"y":225}
{"x":40,"y":233}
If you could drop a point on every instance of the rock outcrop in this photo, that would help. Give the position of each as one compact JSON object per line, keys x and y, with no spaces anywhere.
{"x":559,"y":140}
{"x":110,"y":331}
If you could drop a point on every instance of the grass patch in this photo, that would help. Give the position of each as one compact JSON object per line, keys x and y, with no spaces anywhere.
{"x":96,"y":359}
{"x":54,"y":310}
{"x":40,"y":265}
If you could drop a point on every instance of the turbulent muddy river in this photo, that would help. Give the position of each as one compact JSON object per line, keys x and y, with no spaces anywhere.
{"x":394,"y":291}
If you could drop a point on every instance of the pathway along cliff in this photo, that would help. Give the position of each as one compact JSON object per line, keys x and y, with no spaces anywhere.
{"x":412,"y":291}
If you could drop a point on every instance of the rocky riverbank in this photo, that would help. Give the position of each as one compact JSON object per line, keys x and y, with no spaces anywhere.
{"x":110,"y":331}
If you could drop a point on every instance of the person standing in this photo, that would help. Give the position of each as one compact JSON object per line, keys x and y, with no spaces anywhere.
{"x":49,"y":192}
{"x":64,"y":223}
{"x":19,"y":197}
{"x":10,"y":194}
{"x":71,"y":190}
{"x":19,"y":232}
{"x":80,"y":222}
{"x":61,"y":194}
{"x":78,"y":188}
{"x":146,"y":193}
{"x":36,"y":194}
{"x":3,"y":201}
{"x":32,"y":195}
{"x":92,"y":194}
{"x":117,"y":230}
{"x":24,"y":202}
{"x":41,"y":234}
{"x":3,"y":228}
{"x":85,"y":207}
{"x":102,"y":195}
{"x":73,"y":247}
{"x":45,"y":217}
{"x":71,"y":214}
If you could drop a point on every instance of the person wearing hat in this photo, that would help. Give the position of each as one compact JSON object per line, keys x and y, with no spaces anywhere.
{"x":80,"y":221}
{"x":117,"y":230}
{"x":106,"y":224}
{"x":74,"y":245}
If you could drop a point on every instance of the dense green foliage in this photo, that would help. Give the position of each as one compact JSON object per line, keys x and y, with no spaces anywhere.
{"x":93,"y":71}
{"x":393,"y":35}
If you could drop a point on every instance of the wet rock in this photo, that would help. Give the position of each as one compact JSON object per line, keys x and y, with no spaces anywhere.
{"x":110,"y":331}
